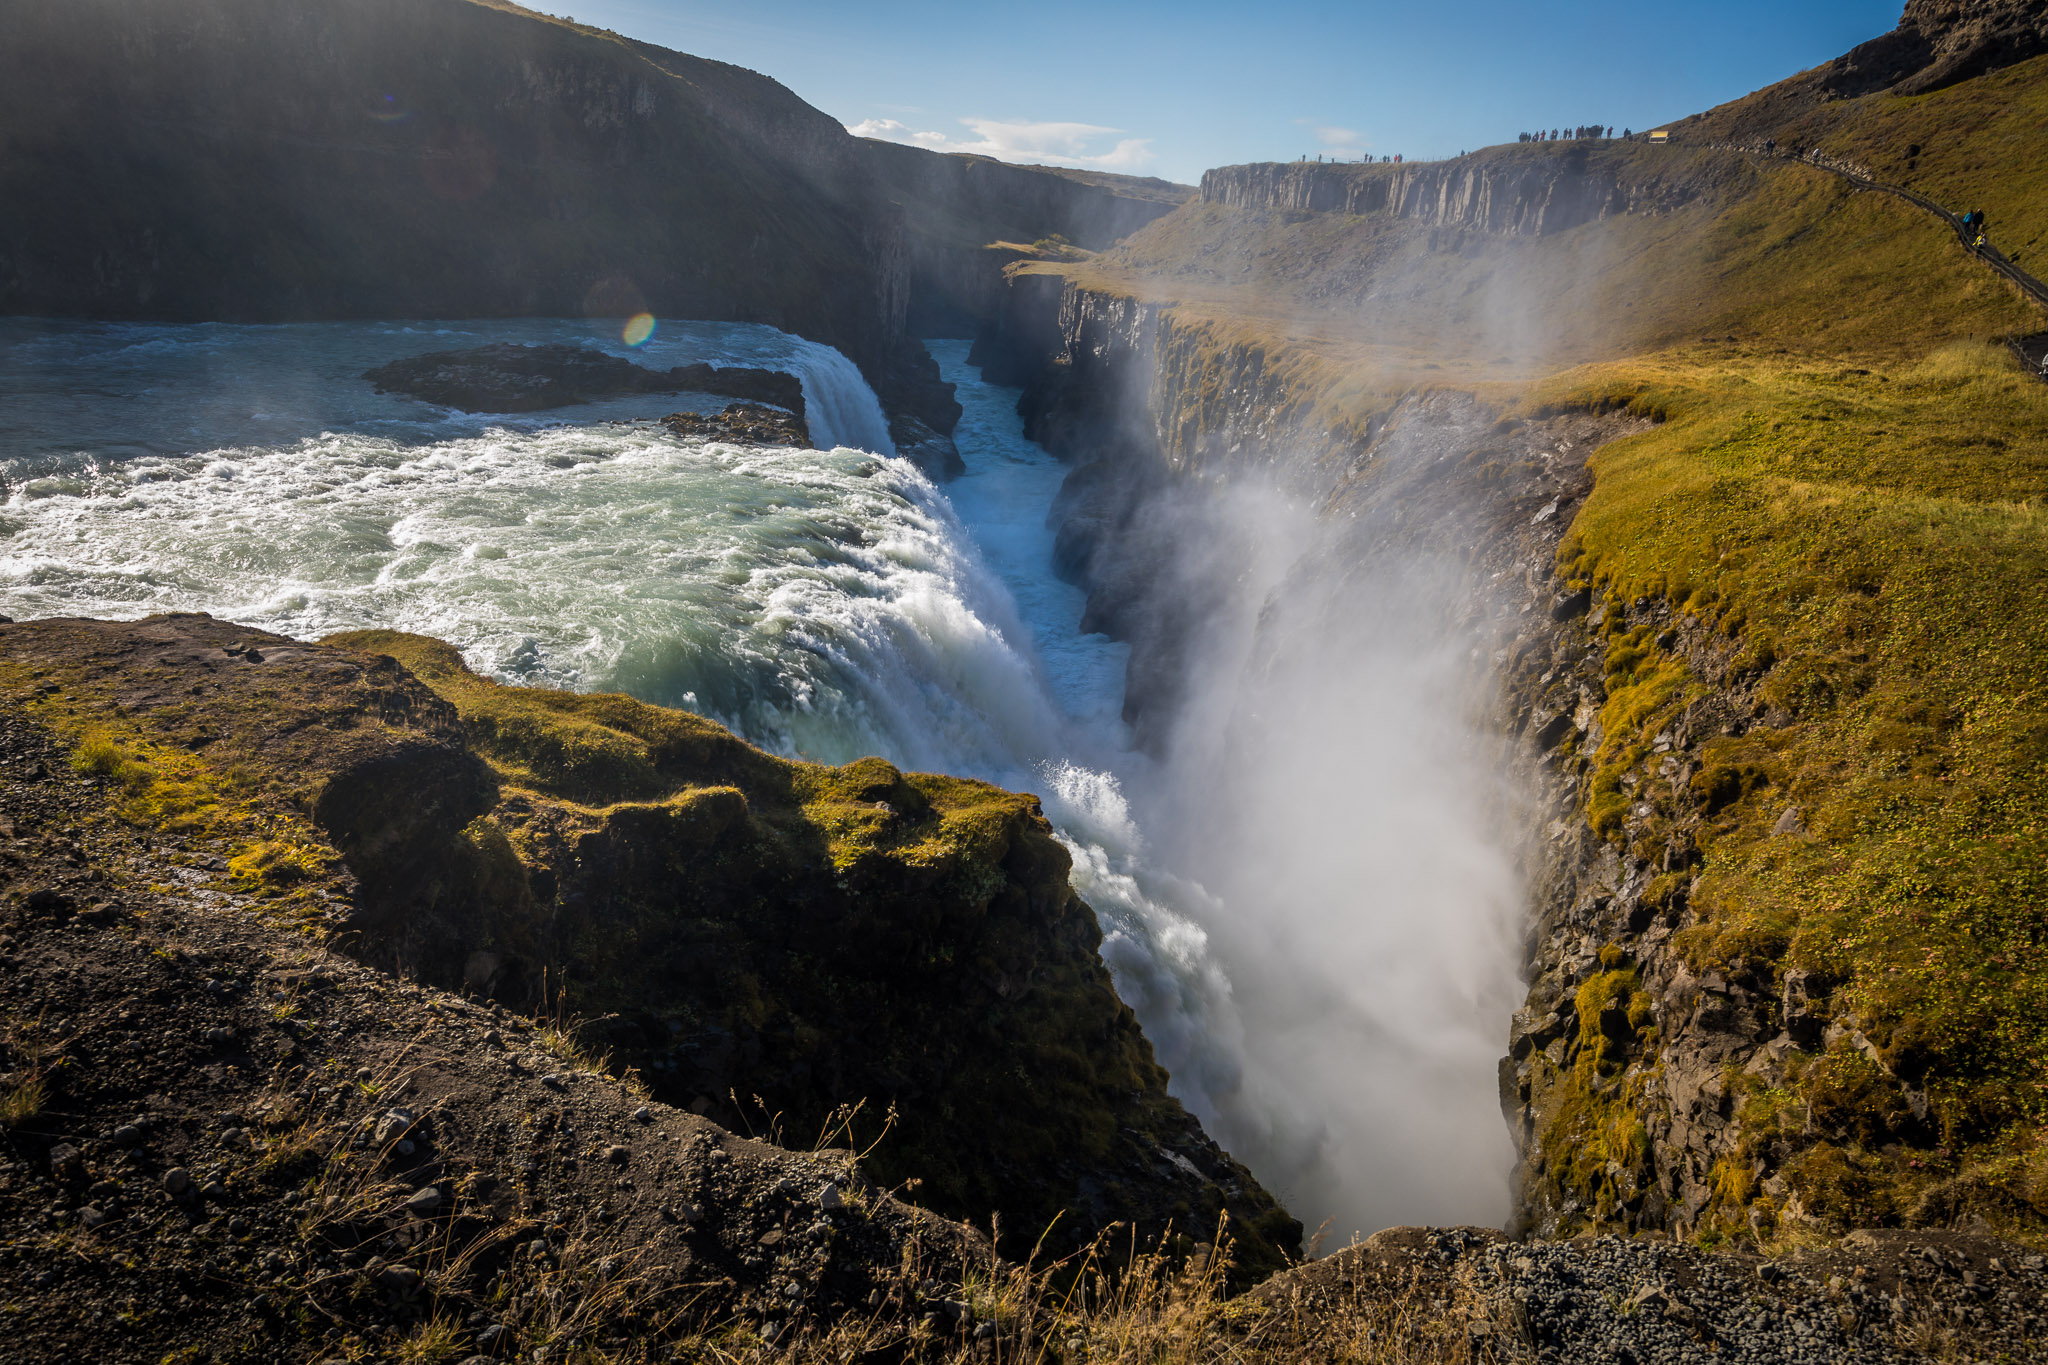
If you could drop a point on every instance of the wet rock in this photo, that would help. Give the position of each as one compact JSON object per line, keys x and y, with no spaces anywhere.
{"x":930,"y":450}
{"x":176,"y":1181}
{"x":512,"y":378}
{"x":424,"y":1201}
{"x":749,"y":424}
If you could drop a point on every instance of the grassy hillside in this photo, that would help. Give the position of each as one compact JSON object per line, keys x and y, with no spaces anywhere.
{"x":1765,"y":255}
{"x":1974,"y":145}
{"x":1872,"y":546}
{"x":1847,"y":482}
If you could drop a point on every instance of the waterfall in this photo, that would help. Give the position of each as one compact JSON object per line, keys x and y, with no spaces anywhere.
{"x":826,"y":604}
{"x":838,"y":404}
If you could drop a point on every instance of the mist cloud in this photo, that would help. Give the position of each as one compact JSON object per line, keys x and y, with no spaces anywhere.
{"x":1080,"y":145}
{"x":1333,"y":790}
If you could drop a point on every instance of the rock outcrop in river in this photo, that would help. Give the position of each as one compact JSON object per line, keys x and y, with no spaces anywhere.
{"x":512,"y":378}
{"x":759,"y":941}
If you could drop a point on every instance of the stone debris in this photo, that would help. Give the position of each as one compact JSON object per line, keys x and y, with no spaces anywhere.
{"x":1875,"y":1297}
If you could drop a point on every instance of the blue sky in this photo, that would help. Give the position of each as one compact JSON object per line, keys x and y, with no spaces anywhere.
{"x":1171,"y":89}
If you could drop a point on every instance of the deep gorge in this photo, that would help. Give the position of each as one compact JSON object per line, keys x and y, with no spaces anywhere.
{"x":1266,"y":719}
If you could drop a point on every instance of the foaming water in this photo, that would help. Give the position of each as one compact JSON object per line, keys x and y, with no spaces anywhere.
{"x":1152,"y":939}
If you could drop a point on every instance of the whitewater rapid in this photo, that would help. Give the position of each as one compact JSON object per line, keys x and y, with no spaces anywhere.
{"x":826,"y":604}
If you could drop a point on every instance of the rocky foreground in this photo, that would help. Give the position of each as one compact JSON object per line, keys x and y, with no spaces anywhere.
{"x":221,"y":1137}
{"x":234,"y":1125}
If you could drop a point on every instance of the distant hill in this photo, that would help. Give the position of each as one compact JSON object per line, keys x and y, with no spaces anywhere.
{"x":271,"y":159}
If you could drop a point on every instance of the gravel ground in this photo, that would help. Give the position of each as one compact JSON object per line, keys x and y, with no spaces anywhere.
{"x":249,"y":1147}
{"x":1877,"y":1296}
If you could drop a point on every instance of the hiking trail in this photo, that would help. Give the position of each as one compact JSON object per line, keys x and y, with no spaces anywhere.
{"x":2031,"y":349}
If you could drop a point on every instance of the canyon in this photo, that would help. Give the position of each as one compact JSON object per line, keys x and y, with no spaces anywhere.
{"x":1580,"y":605}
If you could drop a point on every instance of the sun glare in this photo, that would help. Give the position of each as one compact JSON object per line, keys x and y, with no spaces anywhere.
{"x":639,"y":329}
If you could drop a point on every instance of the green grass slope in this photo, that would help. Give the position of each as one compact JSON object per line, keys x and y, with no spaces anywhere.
{"x":1978,"y":145}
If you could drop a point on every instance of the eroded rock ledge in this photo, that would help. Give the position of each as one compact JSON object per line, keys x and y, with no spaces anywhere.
{"x":737,"y":925}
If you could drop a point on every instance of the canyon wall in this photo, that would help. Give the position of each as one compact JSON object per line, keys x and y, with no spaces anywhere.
{"x":1615,"y":1087}
{"x":1560,"y":187}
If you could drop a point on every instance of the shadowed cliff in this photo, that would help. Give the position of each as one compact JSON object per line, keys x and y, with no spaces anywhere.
{"x":257,"y":160}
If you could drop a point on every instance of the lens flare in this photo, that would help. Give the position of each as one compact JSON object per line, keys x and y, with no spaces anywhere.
{"x":639,"y":329}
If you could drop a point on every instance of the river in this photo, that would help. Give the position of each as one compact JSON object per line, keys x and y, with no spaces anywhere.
{"x":825,"y":604}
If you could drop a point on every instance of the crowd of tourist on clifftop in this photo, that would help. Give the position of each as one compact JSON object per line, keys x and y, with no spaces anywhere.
{"x":1584,"y":130}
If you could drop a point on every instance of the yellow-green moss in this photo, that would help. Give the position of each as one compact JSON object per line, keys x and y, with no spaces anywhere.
{"x":598,"y":751}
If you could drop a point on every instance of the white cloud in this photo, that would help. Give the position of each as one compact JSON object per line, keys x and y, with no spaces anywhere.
{"x":1340,"y":143}
{"x":1051,"y":144}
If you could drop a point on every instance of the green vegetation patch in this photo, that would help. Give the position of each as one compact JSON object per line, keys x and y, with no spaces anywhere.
{"x":1869,"y":541}
{"x":598,"y":752}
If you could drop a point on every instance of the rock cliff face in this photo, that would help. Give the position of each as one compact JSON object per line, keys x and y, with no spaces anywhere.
{"x":956,"y":209}
{"x":270,"y":160}
{"x":1939,"y":43}
{"x":1563,"y":188}
{"x":762,"y":941}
